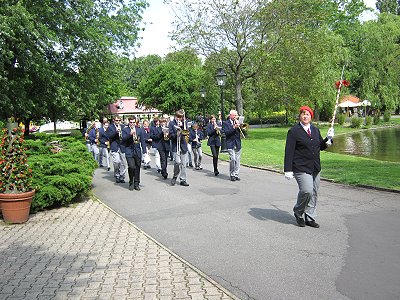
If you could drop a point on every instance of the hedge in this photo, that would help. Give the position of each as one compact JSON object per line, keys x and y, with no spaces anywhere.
{"x":62,"y":170}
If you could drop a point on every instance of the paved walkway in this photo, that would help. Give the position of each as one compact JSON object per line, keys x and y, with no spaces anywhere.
{"x":87,"y":251}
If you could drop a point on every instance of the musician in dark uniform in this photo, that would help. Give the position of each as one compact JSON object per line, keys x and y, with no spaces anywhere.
{"x":104,"y":145}
{"x":135,"y":145}
{"x":233,"y":143}
{"x":148,"y":140}
{"x":302,"y":161}
{"x":214,"y":140}
{"x":178,"y":135}
{"x":94,"y":140}
{"x":160,"y":142}
{"x":195,"y":137}
{"x":114,"y":134}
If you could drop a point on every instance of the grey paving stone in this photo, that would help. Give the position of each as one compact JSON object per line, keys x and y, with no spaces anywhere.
{"x":87,"y":252}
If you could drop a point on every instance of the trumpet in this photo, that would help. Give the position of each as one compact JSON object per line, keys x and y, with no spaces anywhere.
{"x":165,"y":131}
{"x":133,"y":133}
{"x":119,"y":130}
{"x":217,"y":129}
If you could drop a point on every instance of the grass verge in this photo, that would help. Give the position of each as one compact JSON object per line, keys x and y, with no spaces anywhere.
{"x":265,"y":147}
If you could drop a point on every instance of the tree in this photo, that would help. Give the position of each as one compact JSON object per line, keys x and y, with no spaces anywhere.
{"x":377,"y":62}
{"x":388,"y":6}
{"x":174,"y":84}
{"x":60,"y":58}
{"x":243,"y":35}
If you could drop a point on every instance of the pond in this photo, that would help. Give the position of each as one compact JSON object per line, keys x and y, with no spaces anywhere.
{"x":381,"y":144}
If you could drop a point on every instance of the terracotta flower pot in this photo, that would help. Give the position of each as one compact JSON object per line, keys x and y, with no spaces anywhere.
{"x":15,"y":207}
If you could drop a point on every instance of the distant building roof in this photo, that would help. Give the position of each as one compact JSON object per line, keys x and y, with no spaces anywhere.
{"x":350,"y":98}
{"x":129,"y":106}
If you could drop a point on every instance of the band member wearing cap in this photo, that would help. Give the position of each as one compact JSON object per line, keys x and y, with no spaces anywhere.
{"x":160,"y":142}
{"x":114,"y":134}
{"x":135,"y":145}
{"x":214,"y":140}
{"x":233,"y":144}
{"x":302,"y":161}
{"x":179,"y":149}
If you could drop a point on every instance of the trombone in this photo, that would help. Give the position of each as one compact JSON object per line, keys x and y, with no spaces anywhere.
{"x":240,"y":128}
{"x":178,"y":139}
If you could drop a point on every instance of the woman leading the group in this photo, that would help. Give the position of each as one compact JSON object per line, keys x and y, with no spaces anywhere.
{"x":302,"y":161}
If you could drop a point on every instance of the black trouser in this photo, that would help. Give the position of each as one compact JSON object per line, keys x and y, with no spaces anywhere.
{"x":163,"y":161}
{"x":215,"y":153}
{"x":134,"y":169}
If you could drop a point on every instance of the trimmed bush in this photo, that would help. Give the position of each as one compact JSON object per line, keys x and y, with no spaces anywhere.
{"x":368,"y":120}
{"x":60,"y":177}
{"x":341,"y":118}
{"x":386,"y":116}
{"x":377,"y":118}
{"x":356,"y":122}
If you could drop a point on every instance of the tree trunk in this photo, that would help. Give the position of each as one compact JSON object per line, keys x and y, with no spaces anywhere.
{"x":27,"y":122}
{"x":239,"y":98}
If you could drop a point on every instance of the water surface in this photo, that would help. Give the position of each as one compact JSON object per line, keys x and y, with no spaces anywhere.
{"x":381,"y":144}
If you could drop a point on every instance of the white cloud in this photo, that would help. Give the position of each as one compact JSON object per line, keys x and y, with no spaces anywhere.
{"x":158,"y":17}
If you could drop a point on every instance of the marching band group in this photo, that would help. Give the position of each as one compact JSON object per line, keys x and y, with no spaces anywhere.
{"x":129,"y":145}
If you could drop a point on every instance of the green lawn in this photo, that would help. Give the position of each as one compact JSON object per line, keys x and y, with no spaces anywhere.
{"x":264,"y":148}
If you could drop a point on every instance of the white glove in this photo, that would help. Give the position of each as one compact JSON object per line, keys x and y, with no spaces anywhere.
{"x":331,"y":133}
{"x":289,"y":175}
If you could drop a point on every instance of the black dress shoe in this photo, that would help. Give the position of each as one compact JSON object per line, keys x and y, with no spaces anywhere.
{"x":216,"y":173}
{"x":173,"y":181}
{"x":237,"y":178}
{"x":131,"y":187}
{"x":137,"y":188}
{"x":165,"y":175}
{"x":184,"y":183}
{"x":312,"y":224}
{"x":300,"y":221}
{"x":233,"y":178}
{"x":108,"y":169}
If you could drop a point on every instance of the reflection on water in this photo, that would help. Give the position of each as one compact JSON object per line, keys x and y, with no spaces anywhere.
{"x":381,"y":144}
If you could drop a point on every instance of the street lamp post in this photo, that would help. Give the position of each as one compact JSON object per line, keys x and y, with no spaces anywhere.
{"x":221,"y":78}
{"x":203,"y":96}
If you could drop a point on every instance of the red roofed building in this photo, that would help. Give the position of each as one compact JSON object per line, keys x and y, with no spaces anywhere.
{"x":128,"y":106}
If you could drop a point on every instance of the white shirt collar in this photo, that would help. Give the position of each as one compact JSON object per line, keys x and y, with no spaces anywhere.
{"x":305,"y":127}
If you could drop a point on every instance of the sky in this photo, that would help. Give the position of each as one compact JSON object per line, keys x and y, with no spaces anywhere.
{"x":158,"y":17}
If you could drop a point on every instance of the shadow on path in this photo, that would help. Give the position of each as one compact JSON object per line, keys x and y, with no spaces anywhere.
{"x":276,"y":215}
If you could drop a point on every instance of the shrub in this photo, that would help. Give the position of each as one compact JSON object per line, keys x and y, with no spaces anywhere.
{"x":356,"y":122}
{"x":386,"y":116}
{"x":61,"y":177}
{"x":341,"y":118}
{"x":377,"y":118}
{"x":368,"y":120}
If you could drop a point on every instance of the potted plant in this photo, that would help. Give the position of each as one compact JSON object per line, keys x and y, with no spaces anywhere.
{"x":16,"y":190}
